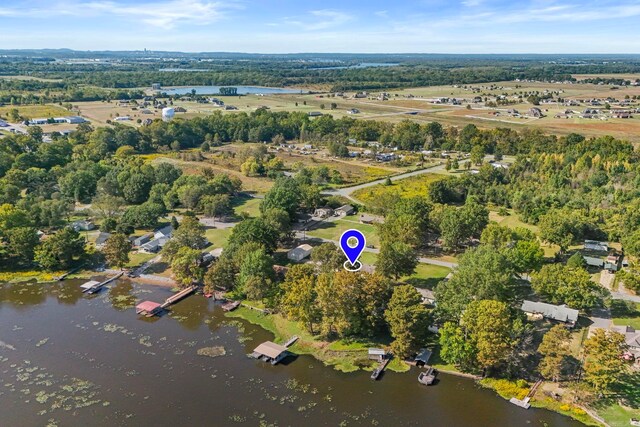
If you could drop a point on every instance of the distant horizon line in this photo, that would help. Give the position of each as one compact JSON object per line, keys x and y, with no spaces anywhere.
{"x":64,"y":49}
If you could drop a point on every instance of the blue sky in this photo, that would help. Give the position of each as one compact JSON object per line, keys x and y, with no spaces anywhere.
{"x":284,"y":26}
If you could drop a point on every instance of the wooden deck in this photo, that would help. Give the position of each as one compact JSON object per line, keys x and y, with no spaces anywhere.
{"x":95,"y":288}
{"x":178,"y":296}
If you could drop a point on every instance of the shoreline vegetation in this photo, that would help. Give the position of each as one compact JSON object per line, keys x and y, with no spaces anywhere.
{"x":351,"y":356}
{"x":342,"y":355}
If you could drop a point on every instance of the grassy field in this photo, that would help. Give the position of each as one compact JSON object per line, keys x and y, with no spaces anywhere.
{"x":332,"y":230}
{"x":249,"y":206}
{"x":409,"y":187}
{"x":419,"y":103}
{"x":35,"y":111}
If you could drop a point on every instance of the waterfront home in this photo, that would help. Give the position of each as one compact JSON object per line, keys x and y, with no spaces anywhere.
{"x":154,"y":246}
{"x":560,"y":313}
{"x":163,"y":232}
{"x":299,"y":253}
{"x":270,"y":352}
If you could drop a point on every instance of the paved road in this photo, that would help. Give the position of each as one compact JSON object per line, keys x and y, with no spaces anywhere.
{"x":423,"y":260}
{"x":347,"y":191}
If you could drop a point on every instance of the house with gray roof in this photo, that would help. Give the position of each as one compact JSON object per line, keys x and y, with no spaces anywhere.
{"x":560,"y":313}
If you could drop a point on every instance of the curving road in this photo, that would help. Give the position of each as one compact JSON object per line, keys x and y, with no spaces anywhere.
{"x":347,"y":191}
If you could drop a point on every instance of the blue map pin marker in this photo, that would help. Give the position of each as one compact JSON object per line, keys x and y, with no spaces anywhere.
{"x":352,"y":252}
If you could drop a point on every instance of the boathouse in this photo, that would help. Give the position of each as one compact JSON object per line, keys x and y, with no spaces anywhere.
{"x":270,"y":352}
{"x":148,"y":308}
{"x":422,"y":358}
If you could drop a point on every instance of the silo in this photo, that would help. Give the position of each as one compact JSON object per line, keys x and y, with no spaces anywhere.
{"x":168,"y":113}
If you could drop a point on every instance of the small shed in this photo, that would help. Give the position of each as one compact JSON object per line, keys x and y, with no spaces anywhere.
{"x":299,"y":253}
{"x":148,"y":308}
{"x":345,"y":210}
{"x":378,"y":354}
{"x":270,"y":352}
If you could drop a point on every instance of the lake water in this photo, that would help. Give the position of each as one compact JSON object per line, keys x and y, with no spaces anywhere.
{"x":215,"y":90}
{"x":71,"y":359}
{"x":361,"y":65}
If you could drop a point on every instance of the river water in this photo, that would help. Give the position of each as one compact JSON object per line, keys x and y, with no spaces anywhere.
{"x":69,"y":359}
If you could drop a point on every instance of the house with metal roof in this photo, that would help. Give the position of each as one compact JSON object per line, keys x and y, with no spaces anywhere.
{"x":560,"y":313}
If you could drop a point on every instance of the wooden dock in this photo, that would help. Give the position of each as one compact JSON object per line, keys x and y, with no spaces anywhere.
{"x":230,"y":306}
{"x":64,"y":276}
{"x":291,"y":341}
{"x":524,"y":403}
{"x":383,"y":364}
{"x":178,"y":296}
{"x":95,"y":287}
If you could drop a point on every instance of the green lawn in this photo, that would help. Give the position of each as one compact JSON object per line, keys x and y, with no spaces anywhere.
{"x":248,"y":205}
{"x":332,"y":230}
{"x":136,"y":259}
{"x":627,"y":316}
{"x":218,"y":237}
{"x":427,"y":276}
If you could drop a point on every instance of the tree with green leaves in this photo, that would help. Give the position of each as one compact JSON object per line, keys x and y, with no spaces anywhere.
{"x":408,"y":320}
{"x":489,"y":328}
{"x":256,"y":278}
{"x":328,"y":257}
{"x":561,"y":228}
{"x":60,"y":250}
{"x":576,"y":261}
{"x":190,"y":234}
{"x":285,"y":194}
{"x":116,"y":250}
{"x":396,"y":259}
{"x":21,"y":243}
{"x":483,"y":273}
{"x":299,"y":297}
{"x":258,"y":230}
{"x":554,"y":349}
{"x":186,"y":267}
{"x":454,"y":347}
{"x":221,"y":275}
{"x":604,"y":365}
{"x":560,"y":284}
{"x":216,"y":206}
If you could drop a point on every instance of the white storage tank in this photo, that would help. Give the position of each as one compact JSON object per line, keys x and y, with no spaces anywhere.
{"x":168,"y":113}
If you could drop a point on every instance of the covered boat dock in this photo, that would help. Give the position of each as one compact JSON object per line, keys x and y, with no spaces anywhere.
{"x":270,"y":352}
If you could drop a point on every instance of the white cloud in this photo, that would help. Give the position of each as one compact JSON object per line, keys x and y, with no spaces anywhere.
{"x":321,"y":20}
{"x":163,"y":14}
